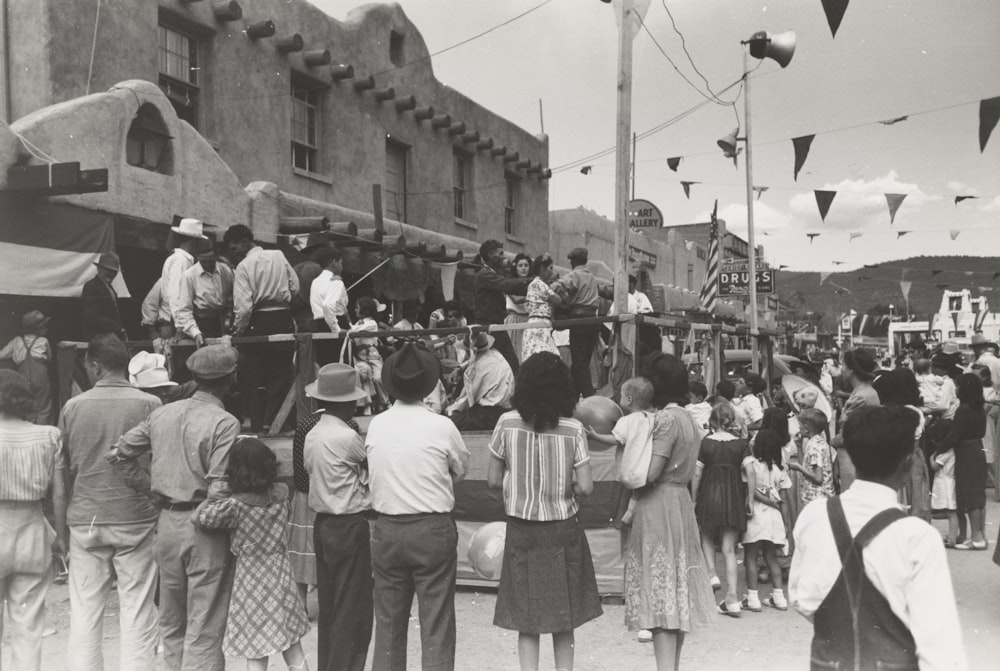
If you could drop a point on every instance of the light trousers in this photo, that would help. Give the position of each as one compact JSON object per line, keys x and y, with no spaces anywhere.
{"x":25,"y":576}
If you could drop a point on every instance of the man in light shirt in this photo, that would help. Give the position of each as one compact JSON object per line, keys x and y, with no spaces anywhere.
{"x":206,"y":298}
{"x":638,"y":302}
{"x":155,"y":313}
{"x":489,"y":387}
{"x":897,"y":608}
{"x":190,"y":237}
{"x":328,"y":302}
{"x":414,"y":458}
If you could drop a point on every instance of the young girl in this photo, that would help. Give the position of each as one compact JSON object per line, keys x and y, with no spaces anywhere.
{"x":367,"y":358}
{"x":767,"y":527}
{"x":538,"y":456}
{"x":816,"y":465}
{"x":721,"y":501}
{"x":266,"y":613}
{"x":31,"y":353}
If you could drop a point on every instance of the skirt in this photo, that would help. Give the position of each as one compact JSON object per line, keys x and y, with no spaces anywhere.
{"x":516,"y":337}
{"x":970,"y":475}
{"x":300,"y":540}
{"x":547,"y":582}
{"x":538,"y":340}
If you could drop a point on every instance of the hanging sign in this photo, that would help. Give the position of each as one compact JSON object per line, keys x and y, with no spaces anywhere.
{"x":734,"y":279}
{"x":641,"y":256}
{"x":643,"y":214}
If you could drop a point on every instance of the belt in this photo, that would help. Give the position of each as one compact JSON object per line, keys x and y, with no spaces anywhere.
{"x":180,"y":507}
{"x":269,"y":306}
{"x":206,"y":314}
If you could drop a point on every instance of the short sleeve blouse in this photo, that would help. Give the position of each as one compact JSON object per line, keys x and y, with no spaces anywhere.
{"x":676,"y":437}
{"x":537,"y":299}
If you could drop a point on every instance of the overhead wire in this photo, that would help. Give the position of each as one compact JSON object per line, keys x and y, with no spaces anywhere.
{"x":687,"y":53}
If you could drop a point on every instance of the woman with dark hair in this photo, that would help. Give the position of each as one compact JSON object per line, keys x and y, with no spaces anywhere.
{"x":966,"y":439}
{"x":540,"y":300}
{"x":31,"y":471}
{"x":857,"y":374}
{"x":517,"y":306}
{"x":539,"y":457}
{"x":900,"y":387}
{"x":667,"y":589}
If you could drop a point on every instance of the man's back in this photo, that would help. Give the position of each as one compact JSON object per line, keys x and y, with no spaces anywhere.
{"x":91,"y":422}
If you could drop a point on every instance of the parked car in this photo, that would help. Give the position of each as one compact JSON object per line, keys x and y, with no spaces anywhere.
{"x":737,"y":362}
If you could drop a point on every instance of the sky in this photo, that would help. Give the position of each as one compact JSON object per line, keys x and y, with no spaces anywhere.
{"x":930,"y":61}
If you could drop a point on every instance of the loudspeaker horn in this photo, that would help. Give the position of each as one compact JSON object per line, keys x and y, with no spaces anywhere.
{"x":779,"y":47}
{"x":728,"y":143}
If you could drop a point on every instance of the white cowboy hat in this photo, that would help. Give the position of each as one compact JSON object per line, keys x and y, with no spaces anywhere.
{"x":153,"y":378}
{"x":190,"y":228}
{"x":145,"y":361}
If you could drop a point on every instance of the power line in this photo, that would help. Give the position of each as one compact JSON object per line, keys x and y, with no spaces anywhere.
{"x":691,"y":60}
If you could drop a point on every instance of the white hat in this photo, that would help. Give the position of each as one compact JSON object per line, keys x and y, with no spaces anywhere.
{"x":153,"y":378}
{"x":190,"y":228}
{"x":145,"y":361}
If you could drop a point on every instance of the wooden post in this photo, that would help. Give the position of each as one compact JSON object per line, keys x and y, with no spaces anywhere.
{"x":377,"y":207}
{"x":718,"y":357}
{"x":624,"y":131}
{"x":305,"y":373}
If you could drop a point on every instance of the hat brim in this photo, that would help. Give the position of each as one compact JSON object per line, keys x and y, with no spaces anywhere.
{"x":104,"y":265}
{"x":178,"y":231}
{"x":38,"y":324}
{"x":793,"y":384}
{"x":490,"y":340}
{"x":159,"y":385}
{"x":312,"y":391}
{"x":428,"y":380}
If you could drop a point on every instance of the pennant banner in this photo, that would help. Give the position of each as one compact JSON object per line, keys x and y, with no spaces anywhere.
{"x":801,"y":146}
{"x":823,"y":201}
{"x":812,"y":236}
{"x":760,"y":191}
{"x":989,"y":114}
{"x":839,"y":263}
{"x":448,"y":273}
{"x":834,"y":10}
{"x":936,"y":272}
{"x":894,"y":200}
{"x":687,"y":188}
{"x":904,"y":286}
{"x":585,"y":170}
{"x":959,"y":199}
{"x":672,"y":163}
{"x":953,"y":234}
{"x":855,"y":235}
{"x":901,"y":234}
{"x":890,"y":122}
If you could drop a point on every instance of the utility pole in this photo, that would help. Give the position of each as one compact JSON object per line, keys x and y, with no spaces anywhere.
{"x":751,"y":242}
{"x":622,"y":163}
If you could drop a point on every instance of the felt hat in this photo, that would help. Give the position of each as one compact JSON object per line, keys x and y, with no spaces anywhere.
{"x":190,"y":228}
{"x":979,"y":340}
{"x":314,"y":241}
{"x":483,"y":341}
{"x":153,"y":378}
{"x":108,"y":260}
{"x":213,"y":361}
{"x":411,"y":373}
{"x":33,"y":320}
{"x":952,"y":363}
{"x":336,"y":383}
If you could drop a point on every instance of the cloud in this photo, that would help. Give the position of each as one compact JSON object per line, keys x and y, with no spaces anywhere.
{"x":766,"y":219}
{"x":860,"y":204}
{"x":991,"y":205}
{"x":962,"y":189}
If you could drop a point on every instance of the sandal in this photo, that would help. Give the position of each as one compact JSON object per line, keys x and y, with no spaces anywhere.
{"x":726,"y":609}
{"x":769,"y":602}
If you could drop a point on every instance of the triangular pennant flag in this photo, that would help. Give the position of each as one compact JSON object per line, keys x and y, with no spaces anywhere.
{"x":904,"y":286}
{"x":834,"y":10}
{"x":760,"y":190}
{"x":889,"y":122}
{"x":585,"y":170}
{"x":672,"y":163}
{"x":812,"y":236}
{"x":801,"y":146}
{"x":839,"y":263}
{"x":894,"y":200}
{"x":959,"y":199}
{"x":855,"y":235}
{"x":823,"y":277}
{"x":934,"y":273}
{"x":823,"y":201}
{"x":942,"y":287}
{"x":782,"y":267}
{"x":989,"y":114}
{"x":687,"y":188}
{"x":954,"y":234}
{"x":901,"y":234}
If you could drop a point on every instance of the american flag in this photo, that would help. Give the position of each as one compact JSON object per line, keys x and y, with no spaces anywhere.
{"x":710,"y":289}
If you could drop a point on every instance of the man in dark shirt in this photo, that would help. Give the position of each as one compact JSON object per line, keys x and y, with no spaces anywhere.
{"x":100,"y":301}
{"x":492,"y":285}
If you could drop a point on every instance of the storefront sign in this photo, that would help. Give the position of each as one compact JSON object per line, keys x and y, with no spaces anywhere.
{"x":734,"y":280}
{"x":641,"y":256}
{"x":643,"y":214}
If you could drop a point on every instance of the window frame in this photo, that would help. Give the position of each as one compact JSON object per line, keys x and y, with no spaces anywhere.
{"x":191,"y":87}
{"x":305,"y":95}
{"x":404,"y":152}
{"x":512,"y":187}
{"x":461,"y":168}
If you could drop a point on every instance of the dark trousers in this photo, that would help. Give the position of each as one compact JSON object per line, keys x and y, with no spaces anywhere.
{"x":503,"y":345}
{"x":582,"y":342}
{"x":344,"y":583}
{"x":326,"y":351}
{"x":414,"y":554}
{"x":267,"y":371}
{"x":478,"y":418}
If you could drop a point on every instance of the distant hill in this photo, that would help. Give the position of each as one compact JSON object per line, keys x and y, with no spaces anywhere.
{"x":873,"y":288}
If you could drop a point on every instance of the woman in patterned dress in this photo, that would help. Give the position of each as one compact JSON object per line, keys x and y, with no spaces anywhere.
{"x":517,"y":306}
{"x":540,"y":299}
{"x":367,"y":358}
{"x":266,"y":614}
{"x":666,"y":583}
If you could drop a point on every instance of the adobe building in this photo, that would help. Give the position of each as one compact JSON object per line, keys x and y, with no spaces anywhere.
{"x":268,"y":113}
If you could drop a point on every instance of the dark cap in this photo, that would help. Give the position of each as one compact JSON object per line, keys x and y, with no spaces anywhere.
{"x":580,"y":254}
{"x":212,"y":362}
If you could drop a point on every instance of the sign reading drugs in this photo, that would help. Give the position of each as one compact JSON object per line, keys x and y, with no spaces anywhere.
{"x":734,"y":279}
{"x":643,"y":214}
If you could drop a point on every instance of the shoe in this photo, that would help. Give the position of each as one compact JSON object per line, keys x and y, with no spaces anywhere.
{"x":715,"y":583}
{"x":753,"y":606}
{"x":726,"y":609}
{"x":948,"y":544}
{"x":645,"y":636}
{"x":771,"y":603}
{"x":980,"y":545}
{"x":964,"y":545}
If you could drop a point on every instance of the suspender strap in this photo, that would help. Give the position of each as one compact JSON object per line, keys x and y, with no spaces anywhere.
{"x":876,"y":525}
{"x":838,"y":523}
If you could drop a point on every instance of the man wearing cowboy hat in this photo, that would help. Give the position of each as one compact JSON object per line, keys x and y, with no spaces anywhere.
{"x":148,"y":372}
{"x":112,"y":527}
{"x":414,"y":458}
{"x":190,"y":442}
{"x":334,"y":456}
{"x":489,"y":386}
{"x":189,"y":236}
{"x":100,"y":301}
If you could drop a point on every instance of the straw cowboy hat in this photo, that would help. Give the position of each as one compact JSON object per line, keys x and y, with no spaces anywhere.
{"x":411,"y":373}
{"x":979,"y":340}
{"x":33,"y":320}
{"x":108,"y":260}
{"x":145,"y":361}
{"x":336,"y":383}
{"x":190,"y":228}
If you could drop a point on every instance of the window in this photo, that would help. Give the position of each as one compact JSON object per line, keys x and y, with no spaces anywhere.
{"x":147,"y":144}
{"x":396,"y":48}
{"x":395,"y":180}
{"x":701,"y":253}
{"x":510,"y":205}
{"x":179,"y":72}
{"x":305,"y":131}
{"x":690,"y":284}
{"x":461,"y":182}
{"x":955,"y":303}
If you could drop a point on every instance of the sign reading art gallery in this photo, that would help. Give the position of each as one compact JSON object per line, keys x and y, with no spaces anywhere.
{"x":734,"y":279}
{"x":643,"y":214}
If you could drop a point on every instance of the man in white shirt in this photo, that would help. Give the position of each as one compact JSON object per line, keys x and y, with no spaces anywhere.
{"x":638,"y":302}
{"x":900,"y":610}
{"x":328,"y":301}
{"x":190,"y":237}
{"x":206,"y":298}
{"x":489,"y":387}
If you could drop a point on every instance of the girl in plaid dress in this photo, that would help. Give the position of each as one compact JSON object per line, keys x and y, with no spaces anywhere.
{"x":266,"y":613}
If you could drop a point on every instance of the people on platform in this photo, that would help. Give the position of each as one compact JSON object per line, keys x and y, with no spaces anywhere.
{"x":873,"y":581}
{"x":335,"y":463}
{"x":261,"y":622}
{"x":638,"y":302}
{"x":367,"y":357}
{"x":489,"y":387}
{"x":112,"y":527}
{"x":100,"y":300}
{"x":190,"y":442}
{"x":31,"y":354}
{"x":581,"y":293}
{"x":414,"y":458}
{"x":155,"y":314}
{"x":189,"y":236}
{"x":147,"y":371}
{"x":539,"y":458}
{"x":492,"y":286}
{"x":517,"y":306}
{"x":205,"y":300}
{"x":540,"y":301}
{"x":32,"y":474}
{"x":263,"y":286}
{"x":328,"y":294}
{"x":306,"y":270}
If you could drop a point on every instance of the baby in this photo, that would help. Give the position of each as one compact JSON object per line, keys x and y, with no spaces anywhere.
{"x":633,"y":434}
